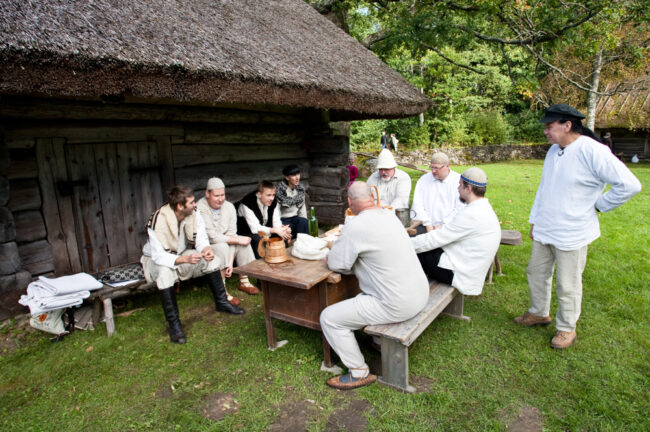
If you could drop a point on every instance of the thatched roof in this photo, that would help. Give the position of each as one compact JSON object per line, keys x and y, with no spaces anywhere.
{"x":629,"y":110}
{"x":277,"y":52}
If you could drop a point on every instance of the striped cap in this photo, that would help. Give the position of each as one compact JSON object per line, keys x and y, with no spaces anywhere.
{"x":475,"y":176}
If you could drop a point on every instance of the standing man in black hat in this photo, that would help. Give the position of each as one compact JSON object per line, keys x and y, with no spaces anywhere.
{"x":564,"y":217}
{"x":291,"y":199}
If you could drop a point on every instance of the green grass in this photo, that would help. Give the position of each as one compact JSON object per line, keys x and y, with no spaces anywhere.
{"x":478,"y":376}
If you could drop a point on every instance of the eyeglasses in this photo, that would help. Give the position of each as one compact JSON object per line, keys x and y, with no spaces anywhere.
{"x":437,"y":168}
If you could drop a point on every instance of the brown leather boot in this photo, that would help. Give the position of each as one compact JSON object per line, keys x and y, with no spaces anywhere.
{"x":530,"y":320}
{"x":563,"y":339}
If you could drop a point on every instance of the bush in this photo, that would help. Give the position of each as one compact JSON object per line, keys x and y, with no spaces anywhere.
{"x":364,"y":135}
{"x":489,"y":128}
{"x":526,"y":126}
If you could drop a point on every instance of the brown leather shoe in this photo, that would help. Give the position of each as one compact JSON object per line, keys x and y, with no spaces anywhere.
{"x":347,"y":382}
{"x":234,"y":300}
{"x":563,"y":339}
{"x":248,"y":288}
{"x":530,"y":320}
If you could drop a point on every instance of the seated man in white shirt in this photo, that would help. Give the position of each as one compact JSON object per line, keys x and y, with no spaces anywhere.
{"x":394,"y":185}
{"x":258,"y":211}
{"x":220,"y":219}
{"x":375,"y":248}
{"x":291,"y":200}
{"x":176,"y":235}
{"x":436,"y":199}
{"x":460,"y":252}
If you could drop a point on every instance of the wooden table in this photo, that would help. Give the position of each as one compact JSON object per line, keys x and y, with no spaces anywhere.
{"x":297,"y":291}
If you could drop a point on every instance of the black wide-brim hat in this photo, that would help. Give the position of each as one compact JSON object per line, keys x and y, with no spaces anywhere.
{"x":561,"y":111}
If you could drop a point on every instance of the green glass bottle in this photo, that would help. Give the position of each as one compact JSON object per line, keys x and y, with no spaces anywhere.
{"x":313,"y":224}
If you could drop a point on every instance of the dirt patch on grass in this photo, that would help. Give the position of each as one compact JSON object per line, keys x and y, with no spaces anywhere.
{"x":294,"y":417}
{"x":350,"y":417}
{"x":422,"y":384}
{"x":194,"y":314}
{"x":217,"y":406}
{"x":164,"y":391}
{"x":529,"y":419}
{"x":14,"y":333}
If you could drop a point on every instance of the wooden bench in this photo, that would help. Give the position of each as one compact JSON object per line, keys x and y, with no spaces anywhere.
{"x":508,"y":237}
{"x":397,"y":337}
{"x":105,"y":295}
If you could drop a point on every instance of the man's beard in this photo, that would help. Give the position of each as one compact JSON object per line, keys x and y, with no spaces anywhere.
{"x":462,"y":200}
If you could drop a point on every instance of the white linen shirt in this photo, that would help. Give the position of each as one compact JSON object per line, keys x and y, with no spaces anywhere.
{"x":571,"y":188}
{"x":254,"y":223}
{"x":394,"y":192}
{"x":469,"y":241}
{"x":436,"y":202}
{"x":154,"y":249}
{"x":219,"y":225}
{"x":375,"y":247}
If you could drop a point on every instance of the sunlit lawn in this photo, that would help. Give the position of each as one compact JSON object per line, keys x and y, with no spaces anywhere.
{"x":482,"y":375}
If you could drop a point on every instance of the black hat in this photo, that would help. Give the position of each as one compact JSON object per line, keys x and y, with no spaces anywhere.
{"x":291,"y":170}
{"x":561,"y":111}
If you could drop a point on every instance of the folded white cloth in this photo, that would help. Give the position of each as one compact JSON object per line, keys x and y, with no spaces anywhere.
{"x":309,"y":248}
{"x":71,"y":283}
{"x":48,"y":294}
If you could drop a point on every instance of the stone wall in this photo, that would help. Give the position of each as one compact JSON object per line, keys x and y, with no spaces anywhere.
{"x":476,"y":155}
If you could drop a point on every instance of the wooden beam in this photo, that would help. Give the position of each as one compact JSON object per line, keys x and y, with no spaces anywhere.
{"x":29,"y":226}
{"x":36,"y":257}
{"x":24,"y":195}
{"x":198,"y":154}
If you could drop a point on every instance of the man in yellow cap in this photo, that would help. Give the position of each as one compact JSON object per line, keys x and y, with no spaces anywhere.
{"x":460,"y":252}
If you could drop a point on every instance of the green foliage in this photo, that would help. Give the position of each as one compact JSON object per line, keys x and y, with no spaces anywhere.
{"x":489,"y":127}
{"x":474,"y":376}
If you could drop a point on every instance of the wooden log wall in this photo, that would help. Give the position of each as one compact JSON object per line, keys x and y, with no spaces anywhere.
{"x":43,"y":138}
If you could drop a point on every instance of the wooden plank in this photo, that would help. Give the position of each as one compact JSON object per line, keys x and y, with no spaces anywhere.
{"x":36,"y":257}
{"x":30,"y":226}
{"x":329,"y":212}
{"x":408,"y":331}
{"x":4,"y":190}
{"x":57,"y":209}
{"x":23,"y":164}
{"x":22,"y":134}
{"x":296,"y":272}
{"x":87,"y":207}
{"x":20,"y":107}
{"x":328,"y":144}
{"x":111,"y":202}
{"x":329,"y":177}
{"x":328,"y":160}
{"x":317,"y":193}
{"x":9,"y":258}
{"x":236,"y":134}
{"x":189,"y":155}
{"x":7,"y":226}
{"x":395,"y":365}
{"x":149,"y":184}
{"x":237,"y":173}
{"x":24,"y":195}
{"x":134,"y":222}
{"x":166,"y":161}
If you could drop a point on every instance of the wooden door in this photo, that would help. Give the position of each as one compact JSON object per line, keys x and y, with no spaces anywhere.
{"x":114,"y":187}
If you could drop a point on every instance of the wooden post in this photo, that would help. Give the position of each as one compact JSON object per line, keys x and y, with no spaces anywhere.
{"x":395,"y":365}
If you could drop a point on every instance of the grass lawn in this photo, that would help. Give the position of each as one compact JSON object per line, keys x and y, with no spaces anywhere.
{"x":488,"y":374}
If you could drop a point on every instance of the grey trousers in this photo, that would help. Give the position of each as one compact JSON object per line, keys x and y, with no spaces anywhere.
{"x":569,"y":267}
{"x":166,"y":277}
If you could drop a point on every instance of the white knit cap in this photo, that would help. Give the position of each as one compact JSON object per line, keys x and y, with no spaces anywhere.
{"x":215,"y":183}
{"x":440,"y":158}
{"x":386,"y":160}
{"x":475,"y":176}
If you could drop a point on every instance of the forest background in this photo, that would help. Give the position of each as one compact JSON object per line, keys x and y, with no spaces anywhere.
{"x":490,"y":66}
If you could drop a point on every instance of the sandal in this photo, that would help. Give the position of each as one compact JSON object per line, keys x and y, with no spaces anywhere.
{"x":247,"y":287}
{"x":348,"y":382}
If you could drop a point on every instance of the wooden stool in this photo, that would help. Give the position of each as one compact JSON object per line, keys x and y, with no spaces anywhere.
{"x":508,"y":237}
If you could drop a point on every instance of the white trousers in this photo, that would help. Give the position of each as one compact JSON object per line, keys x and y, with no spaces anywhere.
{"x":568,"y":279}
{"x":166,"y":277}
{"x":340,"y":320}
{"x":225,"y":253}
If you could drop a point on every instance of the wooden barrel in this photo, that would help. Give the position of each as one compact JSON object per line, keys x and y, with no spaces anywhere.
{"x":272,"y":250}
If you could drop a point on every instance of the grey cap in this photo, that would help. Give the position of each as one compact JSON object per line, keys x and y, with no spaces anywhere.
{"x":561,"y":111}
{"x":215,"y":183}
{"x":475,"y":176}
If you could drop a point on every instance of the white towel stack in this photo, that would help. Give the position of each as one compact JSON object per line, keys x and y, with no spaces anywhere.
{"x":47,"y":294}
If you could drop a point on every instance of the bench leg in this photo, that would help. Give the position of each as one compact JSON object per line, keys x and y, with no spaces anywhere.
{"x":455,"y":308}
{"x":108,"y":317}
{"x":395,"y":365}
{"x":497,"y":264}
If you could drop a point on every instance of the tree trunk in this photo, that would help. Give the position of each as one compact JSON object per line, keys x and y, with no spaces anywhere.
{"x":592,"y":97}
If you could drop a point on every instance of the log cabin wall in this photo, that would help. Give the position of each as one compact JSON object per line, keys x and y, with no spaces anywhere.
{"x":78,"y":180}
